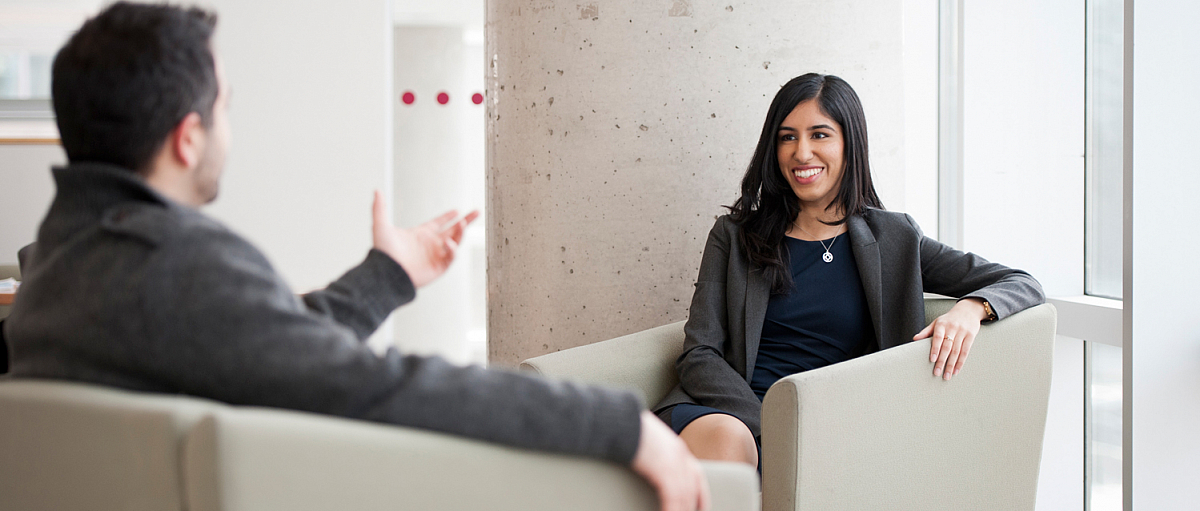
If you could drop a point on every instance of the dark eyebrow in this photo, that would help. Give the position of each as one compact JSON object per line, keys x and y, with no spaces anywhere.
{"x":817,"y":127}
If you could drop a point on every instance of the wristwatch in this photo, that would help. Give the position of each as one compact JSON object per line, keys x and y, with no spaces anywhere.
{"x":987,"y":308}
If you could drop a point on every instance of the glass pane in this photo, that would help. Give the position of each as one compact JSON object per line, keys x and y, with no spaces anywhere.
{"x":1104,"y":441}
{"x":1103,"y":155}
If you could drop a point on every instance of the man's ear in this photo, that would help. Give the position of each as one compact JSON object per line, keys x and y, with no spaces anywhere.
{"x":188,"y":140}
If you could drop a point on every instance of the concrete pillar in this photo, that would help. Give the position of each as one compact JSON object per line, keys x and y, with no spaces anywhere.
{"x":618,"y":129}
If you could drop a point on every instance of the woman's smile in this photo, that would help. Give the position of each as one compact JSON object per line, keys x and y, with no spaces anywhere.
{"x":806,"y":174}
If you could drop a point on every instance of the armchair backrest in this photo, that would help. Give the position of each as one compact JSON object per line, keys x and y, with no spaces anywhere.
{"x":643,"y":362}
{"x":68,"y":446}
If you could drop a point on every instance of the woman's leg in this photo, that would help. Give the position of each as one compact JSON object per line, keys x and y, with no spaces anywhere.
{"x":722,"y":437}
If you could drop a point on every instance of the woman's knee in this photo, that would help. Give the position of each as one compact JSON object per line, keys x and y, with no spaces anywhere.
{"x":720,"y":437}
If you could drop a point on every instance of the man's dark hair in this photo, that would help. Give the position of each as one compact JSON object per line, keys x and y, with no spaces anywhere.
{"x":128,"y":77}
{"x":768,"y":205}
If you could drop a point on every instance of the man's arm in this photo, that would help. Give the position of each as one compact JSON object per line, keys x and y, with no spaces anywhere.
{"x":365,"y":296}
{"x":257,"y":345}
{"x":228,"y":328}
{"x":361,"y":299}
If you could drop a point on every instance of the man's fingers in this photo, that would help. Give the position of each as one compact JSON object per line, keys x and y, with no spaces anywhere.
{"x":379,"y":209}
{"x":439,"y":223}
{"x":670,"y":498}
{"x":455,"y":231}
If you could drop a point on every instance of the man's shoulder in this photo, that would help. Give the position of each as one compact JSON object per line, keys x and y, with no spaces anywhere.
{"x":174,"y":229}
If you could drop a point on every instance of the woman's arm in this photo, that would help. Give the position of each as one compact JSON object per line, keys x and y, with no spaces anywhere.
{"x":974,"y":280}
{"x":703,"y":371}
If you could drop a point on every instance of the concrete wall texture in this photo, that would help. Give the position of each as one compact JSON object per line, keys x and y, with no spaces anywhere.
{"x":617,"y":130}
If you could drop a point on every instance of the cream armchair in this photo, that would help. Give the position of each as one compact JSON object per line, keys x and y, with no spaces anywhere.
{"x":67,"y":446}
{"x":880,"y":431}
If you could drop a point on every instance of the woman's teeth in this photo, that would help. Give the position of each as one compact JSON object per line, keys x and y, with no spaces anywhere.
{"x":805,"y":174}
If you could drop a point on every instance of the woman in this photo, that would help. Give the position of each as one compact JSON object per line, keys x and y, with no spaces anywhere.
{"x":808,"y":270}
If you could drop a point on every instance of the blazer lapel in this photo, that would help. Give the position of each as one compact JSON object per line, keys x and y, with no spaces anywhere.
{"x":866,"y":256}
{"x":758,"y":293}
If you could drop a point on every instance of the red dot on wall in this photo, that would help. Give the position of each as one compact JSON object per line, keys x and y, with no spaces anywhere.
{"x":443,"y":98}
{"x":408,"y":98}
{"x":477,"y":98}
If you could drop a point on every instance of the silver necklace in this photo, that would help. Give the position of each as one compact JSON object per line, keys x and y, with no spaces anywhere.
{"x":828,"y":257}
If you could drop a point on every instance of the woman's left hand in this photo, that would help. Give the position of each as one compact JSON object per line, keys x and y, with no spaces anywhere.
{"x":952,"y":334}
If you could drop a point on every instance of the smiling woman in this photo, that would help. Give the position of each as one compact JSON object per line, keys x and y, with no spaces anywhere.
{"x":778,"y":294}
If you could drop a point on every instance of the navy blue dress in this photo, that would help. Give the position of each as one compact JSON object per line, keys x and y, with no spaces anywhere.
{"x":823,"y":320}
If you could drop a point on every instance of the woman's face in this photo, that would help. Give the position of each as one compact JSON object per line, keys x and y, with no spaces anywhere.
{"x":809,"y":151}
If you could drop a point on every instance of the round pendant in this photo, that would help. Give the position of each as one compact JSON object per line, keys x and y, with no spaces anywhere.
{"x":827,"y":257}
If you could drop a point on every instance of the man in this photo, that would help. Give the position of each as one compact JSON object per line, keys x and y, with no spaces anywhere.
{"x":130,"y":285}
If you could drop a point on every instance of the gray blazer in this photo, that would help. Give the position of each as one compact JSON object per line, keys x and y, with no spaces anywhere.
{"x":129,"y":289}
{"x":896,"y":264}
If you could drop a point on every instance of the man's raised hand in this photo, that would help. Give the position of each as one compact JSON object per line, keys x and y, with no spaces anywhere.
{"x":424,"y":251}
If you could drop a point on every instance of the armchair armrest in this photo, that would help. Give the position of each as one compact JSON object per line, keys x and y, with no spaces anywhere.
{"x":643,"y":362}
{"x":249,"y":459}
{"x":881,"y":432}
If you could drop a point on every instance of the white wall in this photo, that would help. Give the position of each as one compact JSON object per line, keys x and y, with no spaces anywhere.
{"x":26,"y":189}
{"x":311,"y":114}
{"x":1162,"y":336}
{"x":311,"y":117}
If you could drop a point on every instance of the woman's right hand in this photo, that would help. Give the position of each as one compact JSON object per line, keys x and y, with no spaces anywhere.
{"x":951,"y":336}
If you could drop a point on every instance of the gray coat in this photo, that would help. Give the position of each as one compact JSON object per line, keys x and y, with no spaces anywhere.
{"x":896,"y":264}
{"x":129,"y":289}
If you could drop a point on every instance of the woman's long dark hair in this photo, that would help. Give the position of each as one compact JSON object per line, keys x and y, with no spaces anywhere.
{"x":768,"y":206}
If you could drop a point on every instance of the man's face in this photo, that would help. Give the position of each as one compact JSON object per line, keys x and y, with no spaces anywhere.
{"x":207,"y":176}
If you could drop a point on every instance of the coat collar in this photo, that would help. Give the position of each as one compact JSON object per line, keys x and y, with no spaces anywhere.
{"x":870,"y":271}
{"x":85,"y":191}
